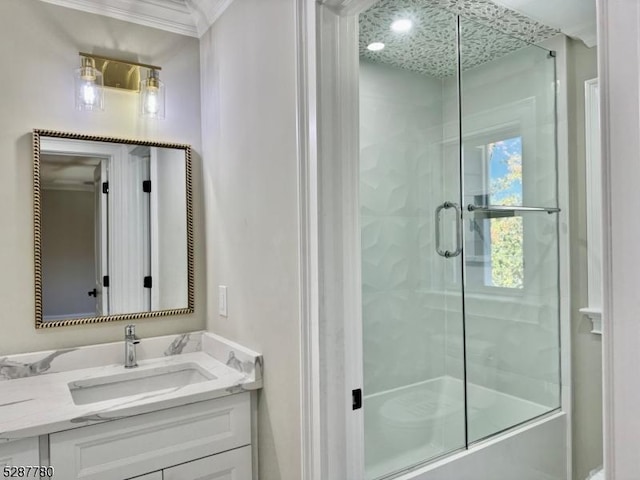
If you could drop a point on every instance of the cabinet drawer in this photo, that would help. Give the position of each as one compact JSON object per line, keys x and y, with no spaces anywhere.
{"x":233,"y":465}
{"x":152,"y":441}
{"x":25,"y":451}
{"x":149,"y":476}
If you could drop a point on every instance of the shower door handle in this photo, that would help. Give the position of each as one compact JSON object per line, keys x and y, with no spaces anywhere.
{"x":458,"y":250}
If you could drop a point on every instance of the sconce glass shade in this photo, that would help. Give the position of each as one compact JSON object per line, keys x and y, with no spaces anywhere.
{"x":89,"y":89}
{"x":152,"y":104}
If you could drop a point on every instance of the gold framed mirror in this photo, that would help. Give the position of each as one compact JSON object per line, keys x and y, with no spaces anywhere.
{"x":113,"y":229}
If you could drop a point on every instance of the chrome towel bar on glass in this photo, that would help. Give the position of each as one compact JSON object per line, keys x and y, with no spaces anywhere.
{"x":510,"y":209}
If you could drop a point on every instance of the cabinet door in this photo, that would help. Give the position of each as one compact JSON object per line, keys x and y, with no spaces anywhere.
{"x":146,"y":443}
{"x":149,"y":476}
{"x":231,"y":465}
{"x":19,"y":452}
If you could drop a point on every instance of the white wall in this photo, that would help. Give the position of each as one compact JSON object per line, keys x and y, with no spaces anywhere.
{"x":586,"y":348}
{"x":68,"y":258}
{"x":250,"y":160}
{"x":39,"y":44}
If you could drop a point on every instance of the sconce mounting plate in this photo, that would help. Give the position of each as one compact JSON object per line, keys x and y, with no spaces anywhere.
{"x":119,"y":73}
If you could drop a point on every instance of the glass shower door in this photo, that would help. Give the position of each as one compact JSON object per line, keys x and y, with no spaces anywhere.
{"x":459,"y":235}
{"x":511,"y":231}
{"x":414,"y":399}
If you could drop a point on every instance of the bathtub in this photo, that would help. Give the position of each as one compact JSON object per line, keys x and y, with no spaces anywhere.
{"x":423,"y":425}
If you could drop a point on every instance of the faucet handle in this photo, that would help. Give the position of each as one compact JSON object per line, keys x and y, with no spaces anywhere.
{"x":130,"y":330}
{"x":130,"y":333}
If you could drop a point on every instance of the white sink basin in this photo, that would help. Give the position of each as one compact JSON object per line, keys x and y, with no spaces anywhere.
{"x":135,"y":382}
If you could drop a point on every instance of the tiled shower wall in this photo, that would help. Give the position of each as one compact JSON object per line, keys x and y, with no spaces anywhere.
{"x":400,"y":134}
{"x":411,"y":296}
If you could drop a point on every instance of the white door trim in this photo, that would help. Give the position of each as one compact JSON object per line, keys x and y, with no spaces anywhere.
{"x":340,"y":310}
{"x":310,"y":408}
{"x":619,"y":75}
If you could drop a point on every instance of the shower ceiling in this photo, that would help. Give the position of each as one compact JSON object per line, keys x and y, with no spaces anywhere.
{"x":430,"y":46}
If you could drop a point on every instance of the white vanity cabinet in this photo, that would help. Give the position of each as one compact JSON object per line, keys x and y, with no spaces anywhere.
{"x":231,"y":465}
{"x":149,"y":476}
{"x":25,"y":452}
{"x":189,"y":441}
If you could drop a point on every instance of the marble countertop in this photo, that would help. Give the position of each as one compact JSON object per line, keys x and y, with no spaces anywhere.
{"x":35,"y":398}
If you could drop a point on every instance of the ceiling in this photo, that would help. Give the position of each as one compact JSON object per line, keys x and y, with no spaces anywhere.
{"x":574,"y":18}
{"x":488,"y":32}
{"x":62,"y":172}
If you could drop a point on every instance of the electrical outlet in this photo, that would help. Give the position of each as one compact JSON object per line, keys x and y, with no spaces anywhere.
{"x":222,"y":300}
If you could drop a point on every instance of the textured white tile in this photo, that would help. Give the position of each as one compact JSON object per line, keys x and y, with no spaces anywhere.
{"x":402,"y":340}
{"x":389,"y":250}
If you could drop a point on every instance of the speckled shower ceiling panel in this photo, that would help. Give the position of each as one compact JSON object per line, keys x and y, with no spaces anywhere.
{"x":489,"y":31}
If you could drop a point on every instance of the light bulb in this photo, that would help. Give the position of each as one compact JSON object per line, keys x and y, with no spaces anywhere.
{"x":375,"y":46}
{"x":88,"y":86}
{"x":89,"y":93}
{"x":152,"y":103}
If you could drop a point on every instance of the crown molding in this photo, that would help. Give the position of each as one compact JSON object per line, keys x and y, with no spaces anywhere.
{"x":347,"y":7}
{"x":206,"y":12}
{"x":587,"y":32}
{"x":170,"y":16}
{"x":185,"y":17}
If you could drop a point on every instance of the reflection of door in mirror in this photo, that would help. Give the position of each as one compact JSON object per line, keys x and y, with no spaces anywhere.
{"x":71,"y":233}
{"x":106,"y":246}
{"x":129,"y":249}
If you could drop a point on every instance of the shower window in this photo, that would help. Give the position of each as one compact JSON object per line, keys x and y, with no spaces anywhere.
{"x":493,"y":172}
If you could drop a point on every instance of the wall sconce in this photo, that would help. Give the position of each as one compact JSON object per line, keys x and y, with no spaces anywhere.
{"x":88,"y":86}
{"x":98,"y":71}
{"x":152,"y":96}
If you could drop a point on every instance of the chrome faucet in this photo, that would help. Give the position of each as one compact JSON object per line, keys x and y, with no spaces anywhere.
{"x":130,"y":342}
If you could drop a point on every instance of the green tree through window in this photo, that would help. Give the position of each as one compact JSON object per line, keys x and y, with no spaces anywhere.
{"x":506,"y":234}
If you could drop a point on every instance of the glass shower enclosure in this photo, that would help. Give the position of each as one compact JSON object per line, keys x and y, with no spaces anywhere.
{"x":459,"y":234}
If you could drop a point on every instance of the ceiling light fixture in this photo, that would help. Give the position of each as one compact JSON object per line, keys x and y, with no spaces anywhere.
{"x":375,"y":46}
{"x":402,"y":25}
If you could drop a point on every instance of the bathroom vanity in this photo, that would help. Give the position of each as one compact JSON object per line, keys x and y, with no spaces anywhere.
{"x":188,"y":410}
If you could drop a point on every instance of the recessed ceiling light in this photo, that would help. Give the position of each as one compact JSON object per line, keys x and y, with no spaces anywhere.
{"x":402,"y":25}
{"x":375,"y":46}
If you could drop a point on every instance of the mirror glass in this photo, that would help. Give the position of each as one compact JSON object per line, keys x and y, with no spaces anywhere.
{"x":112,"y":229}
